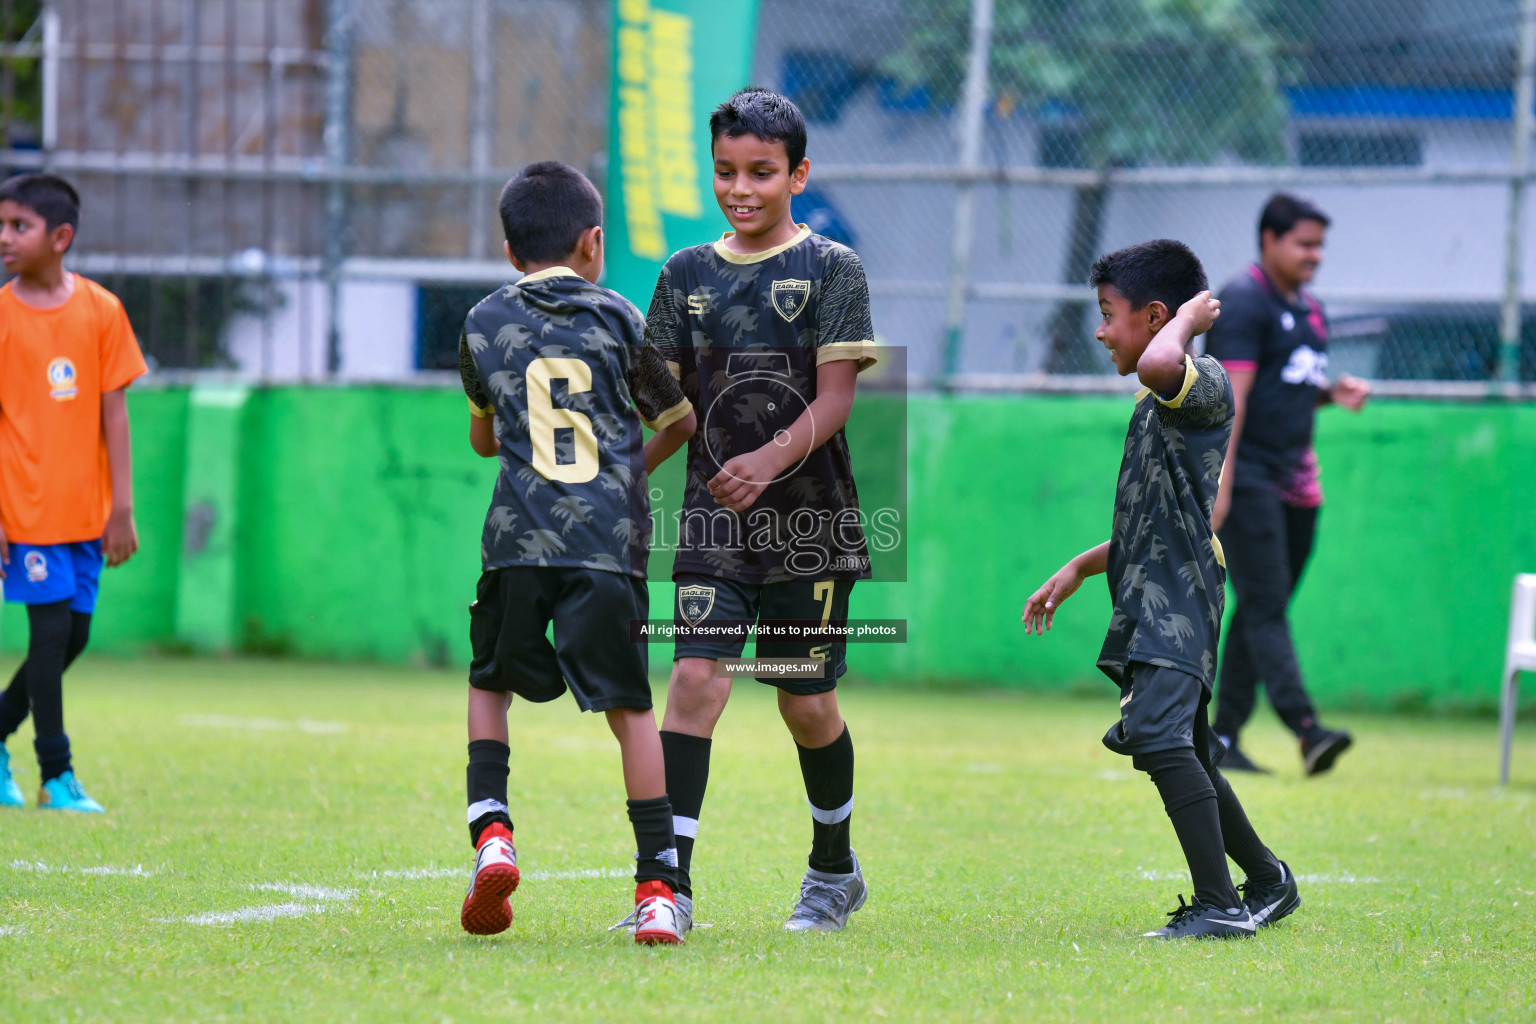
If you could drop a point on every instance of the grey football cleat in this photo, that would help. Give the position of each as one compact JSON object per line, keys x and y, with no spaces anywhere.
{"x":684,"y":914}
{"x":826,"y":900}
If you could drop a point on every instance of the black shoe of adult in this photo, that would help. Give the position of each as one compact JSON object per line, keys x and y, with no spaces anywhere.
{"x":1322,"y":748}
{"x":1267,"y":904}
{"x":1237,"y":761}
{"x":1198,"y":921}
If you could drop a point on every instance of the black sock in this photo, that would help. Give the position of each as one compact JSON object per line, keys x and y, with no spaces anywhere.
{"x":828,"y":774}
{"x":1242,"y":842}
{"x":1190,"y":800}
{"x":655,"y":849}
{"x":15,"y":705}
{"x":13,"y":711}
{"x":687,"y":776}
{"x":79,"y":635}
{"x":486,"y":778}
{"x":52,"y":755}
{"x":1301,"y":720}
{"x":50,"y":626}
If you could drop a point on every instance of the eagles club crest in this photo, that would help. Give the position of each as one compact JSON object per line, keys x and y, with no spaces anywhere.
{"x":695,"y":603}
{"x":790,"y":297}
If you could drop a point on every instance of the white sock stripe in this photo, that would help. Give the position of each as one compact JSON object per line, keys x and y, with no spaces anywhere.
{"x":832,"y":817}
{"x":667,"y":856}
{"x":480,"y":807}
{"x":686,"y":827}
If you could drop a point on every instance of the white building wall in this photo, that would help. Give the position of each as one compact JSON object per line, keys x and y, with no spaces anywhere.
{"x":378,"y":332}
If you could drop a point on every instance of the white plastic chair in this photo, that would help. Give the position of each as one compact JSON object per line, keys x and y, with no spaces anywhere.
{"x":1519,"y":656}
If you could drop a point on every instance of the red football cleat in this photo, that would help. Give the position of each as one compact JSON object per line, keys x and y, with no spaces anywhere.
{"x":487,"y":910}
{"x":656,"y":915}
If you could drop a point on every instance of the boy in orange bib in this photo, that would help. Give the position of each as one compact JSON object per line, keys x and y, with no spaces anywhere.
{"x":67,"y":355}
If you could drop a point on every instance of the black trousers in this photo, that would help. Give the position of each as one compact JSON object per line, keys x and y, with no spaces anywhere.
{"x":1267,"y":544}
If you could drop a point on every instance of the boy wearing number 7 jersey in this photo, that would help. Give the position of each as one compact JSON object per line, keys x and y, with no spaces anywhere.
{"x":556,"y":368}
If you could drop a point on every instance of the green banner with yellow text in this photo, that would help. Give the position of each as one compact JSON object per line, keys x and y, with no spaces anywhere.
{"x":673,"y":62}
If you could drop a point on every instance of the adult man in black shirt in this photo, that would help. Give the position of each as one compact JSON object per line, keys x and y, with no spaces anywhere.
{"x":1272,"y":340}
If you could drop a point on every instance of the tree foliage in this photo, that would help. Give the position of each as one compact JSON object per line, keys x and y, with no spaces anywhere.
{"x":25,"y":81}
{"x":1141,"y":81}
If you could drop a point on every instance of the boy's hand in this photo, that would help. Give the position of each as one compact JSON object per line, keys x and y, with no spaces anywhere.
{"x":121,"y":538}
{"x":1040,"y":609}
{"x":1201,"y":311}
{"x":742,"y":479}
{"x":1350,"y":392}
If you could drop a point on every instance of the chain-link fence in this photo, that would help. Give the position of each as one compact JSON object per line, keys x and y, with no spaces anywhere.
{"x":247,"y":167}
{"x":291,"y":188}
{"x":981,"y":154}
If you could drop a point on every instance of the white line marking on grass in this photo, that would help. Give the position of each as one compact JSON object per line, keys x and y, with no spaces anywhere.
{"x":270,"y":912}
{"x":1340,"y":879}
{"x":264,"y":724}
{"x":418,"y":874}
{"x":12,"y":929}
{"x":982,"y":768}
{"x":462,"y":874}
{"x":37,"y":866}
{"x":580,"y":874}
{"x":315,"y":898}
{"x":308,"y":892}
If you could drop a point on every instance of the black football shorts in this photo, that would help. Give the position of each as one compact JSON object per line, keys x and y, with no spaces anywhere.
{"x":592,"y":653}
{"x":1163,"y":709}
{"x":711,"y":599}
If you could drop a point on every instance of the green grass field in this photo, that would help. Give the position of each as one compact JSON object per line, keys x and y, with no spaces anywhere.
{"x":1012,"y":862}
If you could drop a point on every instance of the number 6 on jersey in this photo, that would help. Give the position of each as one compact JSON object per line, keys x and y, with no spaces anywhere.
{"x":544,"y":419}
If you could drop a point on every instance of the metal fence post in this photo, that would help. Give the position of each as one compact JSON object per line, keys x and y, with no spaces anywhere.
{"x":481,"y":112}
{"x":974,"y":104}
{"x":1525,"y":96}
{"x":338,"y":144}
{"x":52,"y":35}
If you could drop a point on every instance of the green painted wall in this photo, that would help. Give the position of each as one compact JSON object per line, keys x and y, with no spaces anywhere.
{"x":359,"y":517}
{"x":1431,"y":510}
{"x":360,"y":523}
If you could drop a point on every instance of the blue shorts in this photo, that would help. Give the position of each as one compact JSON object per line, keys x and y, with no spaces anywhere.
{"x":49,"y":573}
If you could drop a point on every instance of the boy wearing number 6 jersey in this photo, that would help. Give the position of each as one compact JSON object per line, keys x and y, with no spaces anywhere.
{"x":556,"y":369}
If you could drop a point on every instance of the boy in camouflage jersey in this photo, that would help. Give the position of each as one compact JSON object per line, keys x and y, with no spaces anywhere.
{"x":551,"y":366}
{"x":767,"y":329}
{"x":1167,"y":580}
